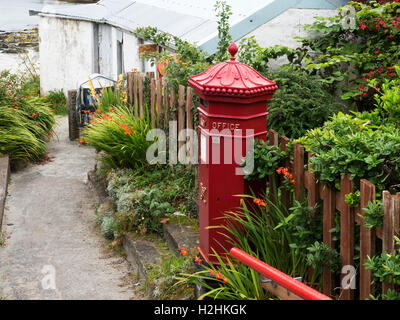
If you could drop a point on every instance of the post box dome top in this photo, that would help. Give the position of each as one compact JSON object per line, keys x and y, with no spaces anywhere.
{"x":233,"y":79}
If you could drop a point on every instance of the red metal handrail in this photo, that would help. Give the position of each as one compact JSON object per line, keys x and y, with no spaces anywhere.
{"x":279,"y":277}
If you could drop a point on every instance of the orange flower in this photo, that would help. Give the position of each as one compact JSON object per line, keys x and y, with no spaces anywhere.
{"x":212,"y":272}
{"x":259,"y":202}
{"x":219,"y":275}
{"x":110,"y":108}
{"x":198,"y":260}
{"x":98,"y":111}
{"x":183,"y":252}
{"x":225,"y":280}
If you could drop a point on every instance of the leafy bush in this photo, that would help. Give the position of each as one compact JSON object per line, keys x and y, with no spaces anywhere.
{"x":121,"y":135}
{"x":386,"y":268}
{"x":302,"y":102}
{"x":388,"y":98}
{"x":362,"y":145}
{"x":266,"y":159}
{"x":58,"y":102}
{"x":347,"y":55}
{"x":144,"y":197}
{"x":373,"y":214}
{"x":108,"y":227}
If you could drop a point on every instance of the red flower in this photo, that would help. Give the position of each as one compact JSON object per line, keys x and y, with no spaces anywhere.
{"x":183,"y":252}
{"x":391,"y":36}
{"x":363,"y":26}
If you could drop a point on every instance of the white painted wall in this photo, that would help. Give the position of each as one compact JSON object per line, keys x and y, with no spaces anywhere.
{"x":283,"y":29}
{"x":66,"y":53}
{"x":105,"y":50}
{"x":131,"y":53}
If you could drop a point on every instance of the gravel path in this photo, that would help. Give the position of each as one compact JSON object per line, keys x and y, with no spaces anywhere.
{"x":52,"y":249}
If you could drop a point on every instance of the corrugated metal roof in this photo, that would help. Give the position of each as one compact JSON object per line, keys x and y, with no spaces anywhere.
{"x":191,"y":20}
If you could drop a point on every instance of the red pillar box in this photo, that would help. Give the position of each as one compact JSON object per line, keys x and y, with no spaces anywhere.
{"x":232,"y":112}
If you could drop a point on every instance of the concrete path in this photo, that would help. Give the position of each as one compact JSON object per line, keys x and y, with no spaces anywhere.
{"x":52,"y":249}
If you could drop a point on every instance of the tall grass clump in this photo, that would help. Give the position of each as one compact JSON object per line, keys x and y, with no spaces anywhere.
{"x":122,"y":137}
{"x":26,"y":120}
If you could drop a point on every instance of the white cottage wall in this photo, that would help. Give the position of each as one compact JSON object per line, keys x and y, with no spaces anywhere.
{"x":105,"y":50}
{"x":66,"y":53}
{"x":284,"y":29}
{"x":131,"y":53}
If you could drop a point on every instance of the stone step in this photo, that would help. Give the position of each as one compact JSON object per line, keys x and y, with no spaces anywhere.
{"x":141,"y":253}
{"x":180,"y":236}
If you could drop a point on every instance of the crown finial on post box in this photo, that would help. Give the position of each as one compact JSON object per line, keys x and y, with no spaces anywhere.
{"x":233,"y":49}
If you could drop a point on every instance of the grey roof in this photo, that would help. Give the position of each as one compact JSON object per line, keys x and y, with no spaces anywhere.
{"x":190,"y":20}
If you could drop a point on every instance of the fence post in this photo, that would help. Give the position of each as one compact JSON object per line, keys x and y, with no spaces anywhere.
{"x":367,"y":241}
{"x":391,"y":208}
{"x":298,"y":166}
{"x":159,"y":102}
{"x":135,"y":94}
{"x":273,"y":139}
{"x":328,"y":196}
{"x":189,"y":126}
{"x":181,"y":119}
{"x":141,"y":105}
{"x":72,"y":117}
{"x":166,"y":104}
{"x":285,"y":194}
{"x":129,"y":87}
{"x":346,"y":233}
{"x":153,"y":101}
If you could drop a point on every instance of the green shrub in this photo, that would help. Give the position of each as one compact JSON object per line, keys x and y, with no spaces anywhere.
{"x":362,"y":145}
{"x":386,"y":268}
{"x":58,"y":102}
{"x":122,"y":136}
{"x":350,"y":50}
{"x":109,"y":227}
{"x":302,"y":102}
{"x":388,"y":99}
{"x":145,"y":195}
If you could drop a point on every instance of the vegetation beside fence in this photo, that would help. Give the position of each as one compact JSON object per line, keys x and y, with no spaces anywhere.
{"x":340,"y":216}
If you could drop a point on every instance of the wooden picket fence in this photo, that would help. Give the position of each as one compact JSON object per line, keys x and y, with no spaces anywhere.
{"x":162,"y":104}
{"x":332,"y":200}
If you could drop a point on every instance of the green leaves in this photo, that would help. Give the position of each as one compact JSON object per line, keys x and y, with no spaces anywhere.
{"x":266,"y":159}
{"x":373,"y":214}
{"x":362,"y":145}
{"x":302,"y":102}
{"x":386,"y":268}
